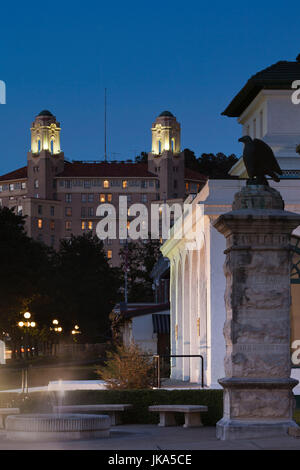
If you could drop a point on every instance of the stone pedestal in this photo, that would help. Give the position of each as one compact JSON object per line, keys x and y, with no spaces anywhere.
{"x":258,"y":398}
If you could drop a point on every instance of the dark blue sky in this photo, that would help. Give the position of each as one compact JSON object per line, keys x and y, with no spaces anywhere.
{"x":187,"y":57}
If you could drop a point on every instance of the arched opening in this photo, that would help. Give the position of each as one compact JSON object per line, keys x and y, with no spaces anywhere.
{"x":173,"y":144}
{"x":39,"y":146}
{"x":52,"y":145}
{"x":159,"y":147}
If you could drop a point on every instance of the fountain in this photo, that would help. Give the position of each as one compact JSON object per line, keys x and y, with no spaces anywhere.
{"x":53,"y":427}
{"x":56,"y":426}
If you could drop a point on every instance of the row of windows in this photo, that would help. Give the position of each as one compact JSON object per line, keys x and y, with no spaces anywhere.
{"x":90,"y":197}
{"x":12,"y":186}
{"x":108,"y":183}
{"x":85,"y":224}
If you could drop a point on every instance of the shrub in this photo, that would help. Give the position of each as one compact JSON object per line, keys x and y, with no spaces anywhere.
{"x":127,"y":368}
{"x":41,"y":402}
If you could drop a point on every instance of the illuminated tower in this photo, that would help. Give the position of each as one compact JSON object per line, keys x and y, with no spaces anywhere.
{"x":45,"y":158}
{"x":165,"y":159}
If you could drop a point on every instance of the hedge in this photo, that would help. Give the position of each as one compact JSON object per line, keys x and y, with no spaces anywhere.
{"x":42,"y":402}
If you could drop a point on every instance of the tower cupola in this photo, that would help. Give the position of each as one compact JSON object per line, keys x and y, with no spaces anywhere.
{"x":45,"y":134}
{"x":165,"y":134}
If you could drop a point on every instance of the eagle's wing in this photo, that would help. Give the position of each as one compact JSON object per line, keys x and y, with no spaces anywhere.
{"x":266,"y":154}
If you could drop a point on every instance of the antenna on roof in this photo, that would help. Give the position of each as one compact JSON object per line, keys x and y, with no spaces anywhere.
{"x":105,"y":155}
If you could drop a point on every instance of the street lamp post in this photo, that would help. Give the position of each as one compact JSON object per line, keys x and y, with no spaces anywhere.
{"x":26,"y":325}
{"x":57,"y":329}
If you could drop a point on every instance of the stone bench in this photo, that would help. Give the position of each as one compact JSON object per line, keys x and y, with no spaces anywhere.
{"x":114,"y":411}
{"x":4,"y":412}
{"x":192,"y":414}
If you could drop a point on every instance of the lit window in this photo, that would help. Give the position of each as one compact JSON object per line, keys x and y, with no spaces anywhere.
{"x":109,"y":197}
{"x":102,"y":198}
{"x":90,"y":225}
{"x":124,"y":184}
{"x":68,"y":211}
{"x":68,"y":225}
{"x":83,"y":225}
{"x":187,"y":186}
{"x":105,"y":184}
{"x":109,"y":254}
{"x":40,"y":223}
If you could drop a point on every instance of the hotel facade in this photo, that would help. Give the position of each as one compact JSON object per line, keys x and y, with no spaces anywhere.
{"x":60,"y":197}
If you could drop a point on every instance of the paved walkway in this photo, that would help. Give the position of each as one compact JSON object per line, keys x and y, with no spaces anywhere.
{"x":152,"y":437}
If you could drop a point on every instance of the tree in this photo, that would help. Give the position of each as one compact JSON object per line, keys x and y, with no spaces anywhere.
{"x":138,"y":258}
{"x":24,"y":264}
{"x":209,"y":164}
{"x":142,"y":158}
{"x":86,"y":286}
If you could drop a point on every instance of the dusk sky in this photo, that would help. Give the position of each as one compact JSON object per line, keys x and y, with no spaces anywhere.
{"x":190,"y":58}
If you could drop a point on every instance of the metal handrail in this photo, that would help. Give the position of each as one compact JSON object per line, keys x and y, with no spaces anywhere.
{"x":158,"y":356}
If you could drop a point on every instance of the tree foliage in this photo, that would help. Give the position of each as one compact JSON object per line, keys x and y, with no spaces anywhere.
{"x":24,"y":265}
{"x":76,"y":284}
{"x":209,"y":164}
{"x":86,"y":286}
{"x":138,"y":258}
{"x":127,"y":368}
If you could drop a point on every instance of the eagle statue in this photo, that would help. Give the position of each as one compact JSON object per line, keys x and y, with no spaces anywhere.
{"x":259,"y":161}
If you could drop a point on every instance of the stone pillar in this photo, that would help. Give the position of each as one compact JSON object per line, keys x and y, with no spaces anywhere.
{"x":258,"y":398}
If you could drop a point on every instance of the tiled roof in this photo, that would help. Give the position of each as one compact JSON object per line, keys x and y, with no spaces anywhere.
{"x":277,"y":76}
{"x":83,"y":169}
{"x":103,"y":169}
{"x":21,"y":173}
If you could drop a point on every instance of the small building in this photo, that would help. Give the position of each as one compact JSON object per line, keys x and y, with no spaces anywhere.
{"x":148,"y":326}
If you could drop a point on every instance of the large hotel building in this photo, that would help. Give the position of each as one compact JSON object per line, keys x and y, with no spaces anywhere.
{"x":60,"y":197}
